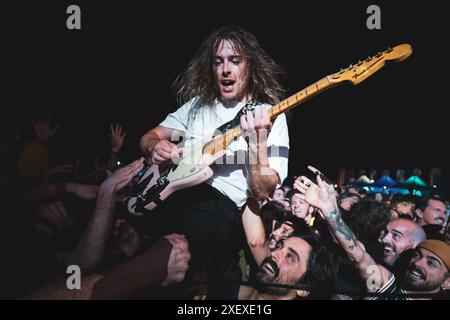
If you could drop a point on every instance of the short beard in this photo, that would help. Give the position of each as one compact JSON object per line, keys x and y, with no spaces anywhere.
{"x":422,"y":287}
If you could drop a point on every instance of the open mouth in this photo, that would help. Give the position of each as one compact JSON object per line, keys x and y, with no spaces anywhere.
{"x":416,"y":274}
{"x":439,"y":221}
{"x":271,"y":268}
{"x":388,"y":250}
{"x":227,"y":84}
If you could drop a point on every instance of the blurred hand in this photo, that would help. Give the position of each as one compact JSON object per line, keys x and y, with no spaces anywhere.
{"x":126,"y":240}
{"x":65,"y":168}
{"x":82,"y":191}
{"x":179,"y":258}
{"x":121,"y":177}
{"x":43,"y":129}
{"x":117,"y":137}
{"x":50,"y":217}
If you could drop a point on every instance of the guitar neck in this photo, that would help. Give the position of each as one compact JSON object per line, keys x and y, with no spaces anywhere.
{"x":221,"y":142}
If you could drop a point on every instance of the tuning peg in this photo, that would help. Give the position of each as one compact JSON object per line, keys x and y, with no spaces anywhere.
{"x":389,"y":49}
{"x":359,"y":63}
{"x":378,"y":54}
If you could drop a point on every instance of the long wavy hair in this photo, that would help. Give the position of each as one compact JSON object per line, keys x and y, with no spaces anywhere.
{"x":198,"y":81}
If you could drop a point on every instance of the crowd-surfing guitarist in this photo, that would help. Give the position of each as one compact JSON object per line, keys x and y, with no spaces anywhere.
{"x":230,"y":82}
{"x":234,"y":137}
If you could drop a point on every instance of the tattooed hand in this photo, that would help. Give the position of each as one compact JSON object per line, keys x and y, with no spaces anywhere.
{"x":318,"y":195}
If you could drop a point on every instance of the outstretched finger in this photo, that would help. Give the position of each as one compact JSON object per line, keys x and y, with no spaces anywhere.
{"x":314,"y":170}
{"x":320,"y":181}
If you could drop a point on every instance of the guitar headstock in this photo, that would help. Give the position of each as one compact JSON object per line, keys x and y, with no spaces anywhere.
{"x":363,"y":69}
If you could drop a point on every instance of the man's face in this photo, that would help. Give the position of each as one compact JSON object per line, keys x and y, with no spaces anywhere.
{"x":396,"y":239}
{"x":278,"y":195}
{"x":434,"y":213}
{"x":285,"y":265}
{"x":280,"y":233}
{"x":299,"y":207}
{"x":426,"y":272}
{"x":230,"y":72}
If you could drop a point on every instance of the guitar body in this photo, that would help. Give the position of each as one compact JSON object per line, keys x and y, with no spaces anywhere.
{"x":158,"y":182}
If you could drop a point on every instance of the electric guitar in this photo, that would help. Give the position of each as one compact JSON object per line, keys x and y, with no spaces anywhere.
{"x":157,"y":182}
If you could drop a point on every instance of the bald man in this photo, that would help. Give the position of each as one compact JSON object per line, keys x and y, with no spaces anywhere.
{"x":399,"y":236}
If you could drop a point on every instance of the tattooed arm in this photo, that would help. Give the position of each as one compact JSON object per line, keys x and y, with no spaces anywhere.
{"x":320,"y":196}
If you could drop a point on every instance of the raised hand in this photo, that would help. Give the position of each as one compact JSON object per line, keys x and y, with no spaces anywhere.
{"x":178,"y":263}
{"x":43,"y":129}
{"x":121,"y":177}
{"x":82,"y":191}
{"x":320,"y":195}
{"x":53,"y":214}
{"x":65,"y":168}
{"x":117,"y":137}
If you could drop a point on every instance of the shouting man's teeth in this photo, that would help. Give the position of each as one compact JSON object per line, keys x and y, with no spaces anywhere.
{"x":269,"y":268}
{"x":388,"y":250}
{"x":416,"y":274}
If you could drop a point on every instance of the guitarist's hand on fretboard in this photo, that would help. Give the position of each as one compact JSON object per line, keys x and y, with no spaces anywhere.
{"x":252,"y":122}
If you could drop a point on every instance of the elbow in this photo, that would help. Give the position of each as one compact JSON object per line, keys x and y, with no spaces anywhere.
{"x":255,"y":243}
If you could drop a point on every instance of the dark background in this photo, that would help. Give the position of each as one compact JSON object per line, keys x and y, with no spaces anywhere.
{"x":119,"y":67}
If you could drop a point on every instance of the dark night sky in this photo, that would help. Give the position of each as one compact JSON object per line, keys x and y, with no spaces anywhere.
{"x":120,"y":65}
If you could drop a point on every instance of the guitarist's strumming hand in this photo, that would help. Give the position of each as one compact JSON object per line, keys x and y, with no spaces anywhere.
{"x":165,"y":150}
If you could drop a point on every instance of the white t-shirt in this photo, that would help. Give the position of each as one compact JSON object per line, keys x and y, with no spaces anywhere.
{"x":230,"y":175}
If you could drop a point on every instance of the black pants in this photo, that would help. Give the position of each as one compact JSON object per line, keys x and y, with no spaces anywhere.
{"x":212,"y":225}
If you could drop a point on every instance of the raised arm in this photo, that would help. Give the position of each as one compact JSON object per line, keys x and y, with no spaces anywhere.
{"x":322,"y":196}
{"x":254,"y":231}
{"x":91,"y":248}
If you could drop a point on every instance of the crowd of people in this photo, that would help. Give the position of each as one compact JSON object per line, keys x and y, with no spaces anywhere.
{"x":245,"y":233}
